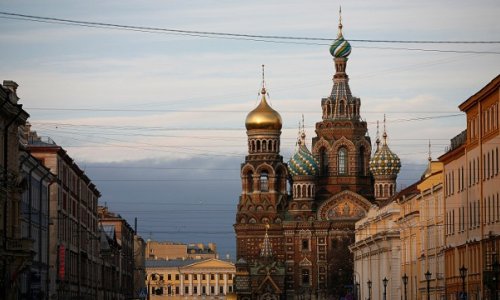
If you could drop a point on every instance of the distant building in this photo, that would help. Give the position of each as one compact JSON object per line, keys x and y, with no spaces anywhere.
{"x":74,"y":233}
{"x":193,"y":278}
{"x":15,"y":250}
{"x":173,"y":250}
{"x":122,"y":250}
{"x":472,"y":201}
{"x":139,"y":264}
{"x":35,"y":222}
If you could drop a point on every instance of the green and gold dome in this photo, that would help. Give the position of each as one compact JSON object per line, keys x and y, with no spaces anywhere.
{"x":384,"y":161}
{"x":263,"y":116}
{"x":340,"y":46}
{"x":303,"y":162}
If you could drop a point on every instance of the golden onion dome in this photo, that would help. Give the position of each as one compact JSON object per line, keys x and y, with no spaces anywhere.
{"x":263,"y":116}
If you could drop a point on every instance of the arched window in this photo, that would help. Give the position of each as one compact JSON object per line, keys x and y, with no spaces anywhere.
{"x":264,"y":181}
{"x":323,"y":161}
{"x":258,"y":146}
{"x":249,"y":182}
{"x":264,"y":145}
{"x":361,"y":160}
{"x":341,"y":108}
{"x":305,"y":277}
{"x":342,"y":161}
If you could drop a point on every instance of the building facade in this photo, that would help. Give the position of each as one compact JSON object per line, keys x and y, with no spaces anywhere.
{"x":472,"y":205}
{"x":15,"y":250}
{"x":36,"y":178}
{"x":377,"y":254}
{"x":174,"y":250}
{"x":121,"y":232}
{"x":309,"y":227}
{"x":74,"y":234}
{"x":189,"y":279}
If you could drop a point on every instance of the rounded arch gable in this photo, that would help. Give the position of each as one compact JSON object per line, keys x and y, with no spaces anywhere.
{"x":343,"y":142}
{"x":321,"y":143}
{"x":246,"y":169}
{"x":265,"y":167}
{"x":344,"y":205}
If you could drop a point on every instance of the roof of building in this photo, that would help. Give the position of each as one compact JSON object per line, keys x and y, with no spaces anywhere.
{"x":171,"y":263}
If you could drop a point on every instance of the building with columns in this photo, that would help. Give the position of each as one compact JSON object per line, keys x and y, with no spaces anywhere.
{"x":310,"y":226}
{"x":189,"y":279}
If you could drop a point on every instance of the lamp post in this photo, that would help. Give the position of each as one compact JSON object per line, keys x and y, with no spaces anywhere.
{"x":428,"y":278}
{"x":405,"y":282}
{"x":384,"y":281}
{"x":463,"y":274}
{"x":369,"y":283}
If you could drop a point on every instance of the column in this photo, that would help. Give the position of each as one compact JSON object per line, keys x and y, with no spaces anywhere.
{"x":208,"y":283}
{"x":181,"y":276}
{"x":217,"y":283}
{"x":190,"y":284}
{"x":225,"y":283}
{"x":199,"y":284}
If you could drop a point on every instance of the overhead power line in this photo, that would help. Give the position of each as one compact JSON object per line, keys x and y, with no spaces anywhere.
{"x":248,"y":37}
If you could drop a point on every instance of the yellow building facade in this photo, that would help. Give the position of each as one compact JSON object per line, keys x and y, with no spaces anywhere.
{"x":189,"y":279}
{"x":472,"y":204}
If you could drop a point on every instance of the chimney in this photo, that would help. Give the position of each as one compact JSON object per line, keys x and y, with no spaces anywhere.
{"x":12,"y":87}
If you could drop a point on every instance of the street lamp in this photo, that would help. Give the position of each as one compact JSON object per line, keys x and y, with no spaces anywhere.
{"x":405,"y":282}
{"x":463,"y":274}
{"x":428,"y":278}
{"x":384,"y":281}
{"x":369,"y":283}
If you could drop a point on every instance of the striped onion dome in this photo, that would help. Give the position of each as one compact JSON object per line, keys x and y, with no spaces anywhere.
{"x":340,"y":47}
{"x":303,"y":162}
{"x":384,"y":161}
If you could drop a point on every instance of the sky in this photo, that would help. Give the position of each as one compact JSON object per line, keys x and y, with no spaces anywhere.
{"x":157,"y":119}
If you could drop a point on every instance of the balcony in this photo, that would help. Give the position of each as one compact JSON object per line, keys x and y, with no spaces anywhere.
{"x":20,"y":247}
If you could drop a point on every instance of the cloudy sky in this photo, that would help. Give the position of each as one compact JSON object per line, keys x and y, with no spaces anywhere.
{"x":157,"y":119}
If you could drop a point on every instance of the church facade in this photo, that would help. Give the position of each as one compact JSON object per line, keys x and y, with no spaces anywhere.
{"x":293,"y":244}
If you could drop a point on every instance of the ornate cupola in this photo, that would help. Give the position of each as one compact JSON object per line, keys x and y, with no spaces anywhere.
{"x":303,"y":169}
{"x":263,"y":126}
{"x":385,"y":166}
{"x":340,"y":105}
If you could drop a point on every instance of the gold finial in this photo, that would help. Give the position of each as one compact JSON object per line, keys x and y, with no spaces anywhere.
{"x":263,"y":91}
{"x":384,"y":135}
{"x":340,"y":22}
{"x":430,"y":157}
{"x":378,"y":136}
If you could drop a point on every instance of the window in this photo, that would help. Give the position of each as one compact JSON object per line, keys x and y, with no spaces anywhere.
{"x":264,"y":181}
{"x":195,"y":277}
{"x":323,"y":157}
{"x":342,"y":161}
{"x":212,"y":289}
{"x":305,"y":276}
{"x":186,"y":290}
{"x":250,"y":182}
{"x":195,"y":290}
{"x":212,"y":277}
{"x":221,"y":290}
{"x":221,"y":276}
{"x":176,"y":276}
{"x":361,"y":160}
{"x":186,"y":277}
{"x":203,"y":277}
{"x":169,"y":277}
{"x":305,"y":245}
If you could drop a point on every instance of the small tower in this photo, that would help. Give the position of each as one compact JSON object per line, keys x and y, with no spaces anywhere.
{"x":263,"y":181}
{"x":303,"y":169}
{"x":385,"y":166}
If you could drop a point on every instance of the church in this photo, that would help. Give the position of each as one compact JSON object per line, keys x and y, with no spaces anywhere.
{"x":295,"y":219}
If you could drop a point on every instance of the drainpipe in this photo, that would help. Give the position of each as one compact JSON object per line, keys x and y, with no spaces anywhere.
{"x":47,"y":227}
{"x":30,"y":222}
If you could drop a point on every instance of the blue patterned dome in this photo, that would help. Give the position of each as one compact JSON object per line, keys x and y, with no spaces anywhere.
{"x":384,"y":161}
{"x":303,"y":162}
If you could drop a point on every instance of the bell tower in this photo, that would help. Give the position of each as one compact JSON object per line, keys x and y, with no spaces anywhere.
{"x":263,"y":182}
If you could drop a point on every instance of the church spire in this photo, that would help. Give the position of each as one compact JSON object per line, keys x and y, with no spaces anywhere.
{"x":339,"y":35}
{"x":378,"y":138}
{"x":266,"y":249}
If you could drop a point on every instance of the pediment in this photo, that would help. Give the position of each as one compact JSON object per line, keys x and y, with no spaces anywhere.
{"x":211,"y":263}
{"x":344,"y":205}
